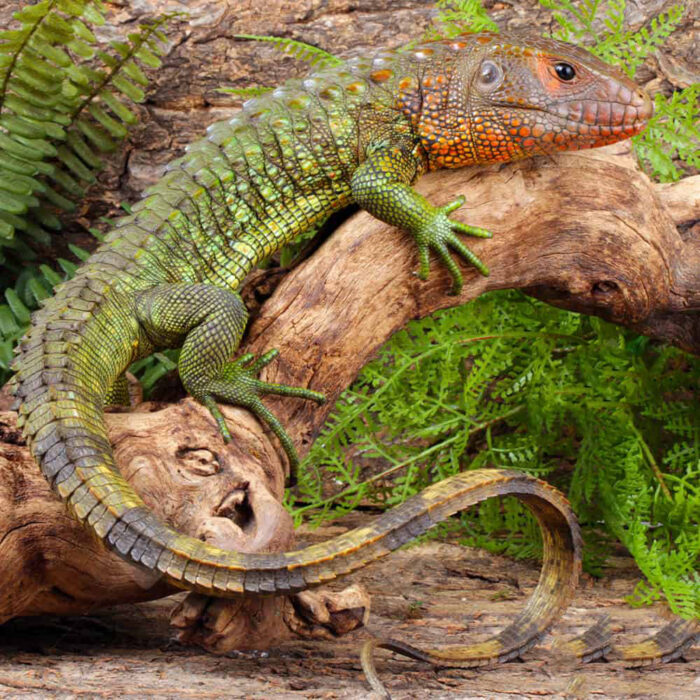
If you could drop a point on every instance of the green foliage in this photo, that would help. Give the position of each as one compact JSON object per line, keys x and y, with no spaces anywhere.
{"x":603,"y":26}
{"x":673,"y":135}
{"x":65,"y":99}
{"x":151,"y":369}
{"x":318,"y":58}
{"x":31,"y":286}
{"x":458,"y":17}
{"x":610,"y":419}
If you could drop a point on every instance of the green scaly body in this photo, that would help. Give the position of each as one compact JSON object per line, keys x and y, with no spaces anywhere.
{"x":167,"y":276}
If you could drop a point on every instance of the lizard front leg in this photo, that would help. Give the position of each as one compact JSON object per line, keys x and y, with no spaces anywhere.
{"x":208,"y":322}
{"x":381,"y":186}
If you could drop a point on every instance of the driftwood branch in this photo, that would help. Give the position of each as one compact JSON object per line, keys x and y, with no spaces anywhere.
{"x":586,"y":231}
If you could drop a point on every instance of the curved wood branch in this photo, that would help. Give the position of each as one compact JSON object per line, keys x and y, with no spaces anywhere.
{"x":585,"y":231}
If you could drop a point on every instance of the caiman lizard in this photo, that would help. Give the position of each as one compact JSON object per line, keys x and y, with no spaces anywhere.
{"x":168,"y":276}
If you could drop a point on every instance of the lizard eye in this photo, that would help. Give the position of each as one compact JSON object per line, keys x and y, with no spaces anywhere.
{"x":565,"y":71}
{"x":490,"y":76}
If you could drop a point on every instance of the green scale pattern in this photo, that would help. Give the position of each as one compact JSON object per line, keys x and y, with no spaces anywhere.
{"x":168,"y":276}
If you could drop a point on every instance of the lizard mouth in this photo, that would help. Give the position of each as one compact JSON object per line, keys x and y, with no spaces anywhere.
{"x":600,"y":117}
{"x":630,"y":112}
{"x":579,"y":130}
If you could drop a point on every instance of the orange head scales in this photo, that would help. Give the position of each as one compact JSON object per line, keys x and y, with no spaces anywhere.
{"x":484,"y":98}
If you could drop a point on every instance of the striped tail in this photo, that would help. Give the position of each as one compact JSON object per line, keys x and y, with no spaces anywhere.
{"x":77,"y":345}
{"x":83,"y":341}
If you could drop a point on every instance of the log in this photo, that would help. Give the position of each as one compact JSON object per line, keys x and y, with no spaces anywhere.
{"x":587,"y":231}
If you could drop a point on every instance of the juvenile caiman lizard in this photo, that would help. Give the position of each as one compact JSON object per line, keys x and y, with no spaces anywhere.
{"x":167,"y":276}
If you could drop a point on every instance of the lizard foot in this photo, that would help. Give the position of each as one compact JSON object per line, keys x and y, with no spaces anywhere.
{"x":441,"y":232}
{"x":237,"y":383}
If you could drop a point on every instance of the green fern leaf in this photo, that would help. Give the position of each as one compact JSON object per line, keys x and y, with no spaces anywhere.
{"x":245,"y":92}
{"x":56,"y":113}
{"x":673,"y":133}
{"x":458,"y":17}
{"x":312,"y":55}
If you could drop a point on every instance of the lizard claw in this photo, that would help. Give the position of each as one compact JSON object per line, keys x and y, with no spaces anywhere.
{"x":440,"y":235}
{"x":237,"y":383}
{"x":454,"y":204}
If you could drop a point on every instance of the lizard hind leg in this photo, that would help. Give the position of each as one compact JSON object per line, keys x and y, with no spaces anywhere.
{"x":118,"y":392}
{"x":208,"y":322}
{"x":237,"y":383}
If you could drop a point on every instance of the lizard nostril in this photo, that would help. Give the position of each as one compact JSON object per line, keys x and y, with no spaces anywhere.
{"x":641,"y":100}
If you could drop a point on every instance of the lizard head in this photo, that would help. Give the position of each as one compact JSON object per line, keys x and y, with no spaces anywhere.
{"x":502,"y":98}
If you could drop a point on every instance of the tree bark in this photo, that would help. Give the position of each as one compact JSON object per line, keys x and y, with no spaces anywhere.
{"x":587,"y":231}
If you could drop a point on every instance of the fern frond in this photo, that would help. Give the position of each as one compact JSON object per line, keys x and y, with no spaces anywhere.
{"x":629,"y":50}
{"x":318,"y":58}
{"x":456,"y":17}
{"x":558,"y":395}
{"x":56,"y":112}
{"x":673,"y":134}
